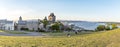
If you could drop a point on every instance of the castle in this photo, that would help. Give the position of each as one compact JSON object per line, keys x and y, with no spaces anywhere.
{"x":52,"y":18}
{"x":34,"y":24}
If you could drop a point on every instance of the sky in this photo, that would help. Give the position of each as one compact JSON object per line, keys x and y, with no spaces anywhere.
{"x":82,"y":10}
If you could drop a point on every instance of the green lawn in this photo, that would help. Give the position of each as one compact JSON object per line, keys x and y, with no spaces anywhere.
{"x":13,"y":32}
{"x":62,"y":34}
{"x":95,"y":39}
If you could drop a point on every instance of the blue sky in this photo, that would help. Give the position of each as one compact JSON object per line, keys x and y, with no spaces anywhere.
{"x":87,"y":10}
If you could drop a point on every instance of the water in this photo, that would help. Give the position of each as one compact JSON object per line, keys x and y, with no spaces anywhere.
{"x":85,"y":25}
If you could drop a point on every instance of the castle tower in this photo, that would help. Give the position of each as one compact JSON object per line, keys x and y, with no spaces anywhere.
{"x":20,"y":18}
{"x":45,"y":18}
{"x":52,"y":17}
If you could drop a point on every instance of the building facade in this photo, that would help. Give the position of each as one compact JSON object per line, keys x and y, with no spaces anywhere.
{"x":33,"y":24}
{"x":6,"y":25}
{"x":27,"y":24}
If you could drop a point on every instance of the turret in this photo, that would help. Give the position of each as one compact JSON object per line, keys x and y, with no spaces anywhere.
{"x":45,"y":18}
{"x":20,"y":18}
{"x":52,"y":17}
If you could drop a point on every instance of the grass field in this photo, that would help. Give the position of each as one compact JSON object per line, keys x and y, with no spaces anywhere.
{"x":62,"y":34}
{"x":96,"y":39}
{"x":13,"y":32}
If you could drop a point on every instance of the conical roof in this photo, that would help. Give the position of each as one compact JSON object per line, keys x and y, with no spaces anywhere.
{"x":52,"y":14}
{"x":20,"y":18}
{"x":45,"y":18}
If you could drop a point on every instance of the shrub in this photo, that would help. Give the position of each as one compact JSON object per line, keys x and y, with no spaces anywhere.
{"x":40,"y":30}
{"x":24,"y":29}
{"x":69,"y":29}
{"x":56,"y":26}
{"x":100,"y":28}
{"x":114,"y":26}
{"x":57,"y":31}
{"x":107,"y":28}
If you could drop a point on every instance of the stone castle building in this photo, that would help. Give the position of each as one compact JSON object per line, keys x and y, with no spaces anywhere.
{"x":27,"y":24}
{"x":52,"y":18}
{"x":21,"y":24}
{"x":34,"y":24}
{"x":6,"y":24}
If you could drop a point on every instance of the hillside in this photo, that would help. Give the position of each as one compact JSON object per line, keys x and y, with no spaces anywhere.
{"x":99,"y":39}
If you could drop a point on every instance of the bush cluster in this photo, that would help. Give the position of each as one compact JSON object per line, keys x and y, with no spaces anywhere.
{"x":24,"y":29}
{"x":106,"y":27}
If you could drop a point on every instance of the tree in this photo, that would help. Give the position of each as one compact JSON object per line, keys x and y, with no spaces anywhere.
{"x":45,"y":22}
{"x":101,"y":28}
{"x":57,"y":26}
{"x":107,"y":27}
{"x":114,"y":26}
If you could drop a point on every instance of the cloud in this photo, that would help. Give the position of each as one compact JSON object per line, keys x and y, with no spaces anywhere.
{"x":7,"y":13}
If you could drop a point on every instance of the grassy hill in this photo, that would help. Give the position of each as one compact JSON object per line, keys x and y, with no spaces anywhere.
{"x":98,"y":39}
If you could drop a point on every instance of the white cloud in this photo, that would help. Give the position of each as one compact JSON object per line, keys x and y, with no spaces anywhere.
{"x":7,"y":13}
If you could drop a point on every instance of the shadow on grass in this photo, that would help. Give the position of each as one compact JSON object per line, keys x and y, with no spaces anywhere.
{"x":58,"y":34}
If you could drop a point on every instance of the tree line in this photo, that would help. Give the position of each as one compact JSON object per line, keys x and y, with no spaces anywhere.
{"x":106,"y":27}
